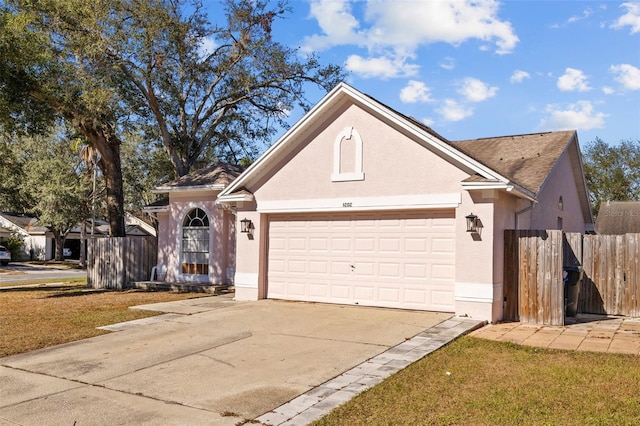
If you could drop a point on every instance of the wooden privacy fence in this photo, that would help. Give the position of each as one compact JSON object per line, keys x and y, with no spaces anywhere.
{"x":114,"y":263}
{"x":534,"y":262}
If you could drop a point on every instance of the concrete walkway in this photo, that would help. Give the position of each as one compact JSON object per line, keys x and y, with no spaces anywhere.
{"x":594,"y":333}
{"x":214,"y":361}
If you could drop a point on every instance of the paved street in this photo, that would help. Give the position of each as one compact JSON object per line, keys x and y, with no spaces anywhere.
{"x":17,"y":272}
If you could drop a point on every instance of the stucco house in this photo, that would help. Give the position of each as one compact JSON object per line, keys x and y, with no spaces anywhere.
{"x":360,"y":204}
{"x":196,"y":236}
{"x":39,"y":242}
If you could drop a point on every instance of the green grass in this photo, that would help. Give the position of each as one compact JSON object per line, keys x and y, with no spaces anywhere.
{"x":497,"y":383}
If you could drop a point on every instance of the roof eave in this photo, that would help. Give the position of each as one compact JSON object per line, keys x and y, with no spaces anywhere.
{"x":167,"y":189}
{"x":510,"y":187}
{"x":235,"y":198}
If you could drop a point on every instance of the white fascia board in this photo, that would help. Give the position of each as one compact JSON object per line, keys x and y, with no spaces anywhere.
{"x":362,"y":204}
{"x":444,"y":147}
{"x":234,"y":198}
{"x":6,"y":223}
{"x":509,"y":187}
{"x":167,"y":189}
{"x":155,"y":209}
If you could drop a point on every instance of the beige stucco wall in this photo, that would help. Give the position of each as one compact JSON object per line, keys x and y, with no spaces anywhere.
{"x":545,"y":213}
{"x":221,"y":242}
{"x":392,"y":163}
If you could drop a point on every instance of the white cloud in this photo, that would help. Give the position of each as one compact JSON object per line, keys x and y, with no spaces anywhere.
{"x":627,"y":75}
{"x":448,"y":63}
{"x":381,"y":67}
{"x":396,"y":30}
{"x":630,"y":19}
{"x":336,"y":22}
{"x":207,"y":46}
{"x":518,"y":76}
{"x":415,"y":91}
{"x":580,"y":115}
{"x":475,"y":90}
{"x":428,"y":122}
{"x":573,"y":80}
{"x":585,"y":14}
{"x":453,"y":111}
{"x":608,"y":90}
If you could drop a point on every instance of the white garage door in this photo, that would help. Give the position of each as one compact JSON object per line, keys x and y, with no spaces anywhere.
{"x":397,"y":260}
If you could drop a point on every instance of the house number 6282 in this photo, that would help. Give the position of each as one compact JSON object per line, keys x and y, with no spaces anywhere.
{"x":347,"y":204}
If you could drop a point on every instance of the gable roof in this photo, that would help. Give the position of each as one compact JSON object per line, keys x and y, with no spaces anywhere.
{"x":519,"y":164}
{"x":216,"y":176}
{"x":343,"y":94}
{"x":618,"y":217}
{"x":24,"y":224}
{"x":525,"y":159}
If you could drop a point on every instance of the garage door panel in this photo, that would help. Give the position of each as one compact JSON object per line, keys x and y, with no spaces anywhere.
{"x":391,"y":259}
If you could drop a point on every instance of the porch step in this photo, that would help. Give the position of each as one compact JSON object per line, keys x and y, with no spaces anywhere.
{"x":183,"y":287}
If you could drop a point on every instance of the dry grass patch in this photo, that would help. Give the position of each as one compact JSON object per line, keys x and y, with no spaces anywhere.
{"x":496,"y":383}
{"x":40,"y":317}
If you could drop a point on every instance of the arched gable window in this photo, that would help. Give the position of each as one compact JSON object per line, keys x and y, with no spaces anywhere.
{"x":195,"y":243}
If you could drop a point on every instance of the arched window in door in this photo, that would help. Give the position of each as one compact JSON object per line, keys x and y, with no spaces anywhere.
{"x":195,"y":243}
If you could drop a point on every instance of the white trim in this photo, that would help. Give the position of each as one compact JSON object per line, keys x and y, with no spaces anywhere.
{"x":7,"y":224}
{"x":337,"y":176}
{"x":235,"y":198}
{"x":165,"y":189}
{"x":477,"y":292}
{"x":398,"y":202}
{"x":514,"y":189}
{"x":245,"y":279}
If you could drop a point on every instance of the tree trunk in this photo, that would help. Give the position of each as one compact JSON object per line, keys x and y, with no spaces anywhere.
{"x":108,"y":145}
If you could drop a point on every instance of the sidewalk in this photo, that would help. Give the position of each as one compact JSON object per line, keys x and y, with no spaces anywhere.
{"x":596,"y":333}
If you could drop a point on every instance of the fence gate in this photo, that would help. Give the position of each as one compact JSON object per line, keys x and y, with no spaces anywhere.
{"x":533,"y":272}
{"x":113,"y":263}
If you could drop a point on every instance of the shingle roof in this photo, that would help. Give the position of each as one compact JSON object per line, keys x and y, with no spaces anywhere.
{"x":618,"y":217}
{"x":526,"y":160}
{"x":215,"y":174}
{"x":25,"y":221}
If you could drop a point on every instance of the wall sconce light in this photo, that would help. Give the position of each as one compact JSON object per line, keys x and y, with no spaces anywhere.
{"x":472,"y":223}
{"x":245,"y":226}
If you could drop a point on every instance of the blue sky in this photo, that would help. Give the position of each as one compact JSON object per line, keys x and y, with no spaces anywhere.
{"x":472,"y":69}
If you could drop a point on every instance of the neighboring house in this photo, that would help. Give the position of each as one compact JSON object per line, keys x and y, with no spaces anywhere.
{"x":196,"y":237}
{"x":39,"y":243}
{"x":618,"y":217}
{"x":358,"y":204}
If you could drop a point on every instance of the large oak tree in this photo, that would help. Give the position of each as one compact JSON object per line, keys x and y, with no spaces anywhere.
{"x":207,"y":91}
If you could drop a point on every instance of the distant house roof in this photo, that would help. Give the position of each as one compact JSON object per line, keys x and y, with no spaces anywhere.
{"x":618,"y":217}
{"x":25,"y":222}
{"x":214,"y":177}
{"x":526,"y":159}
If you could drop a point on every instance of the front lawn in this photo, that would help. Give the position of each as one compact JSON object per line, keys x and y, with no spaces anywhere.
{"x":39,"y":317}
{"x":480,"y":382}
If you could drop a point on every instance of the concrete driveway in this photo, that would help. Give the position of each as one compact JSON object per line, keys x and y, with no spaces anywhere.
{"x":211,"y":361}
